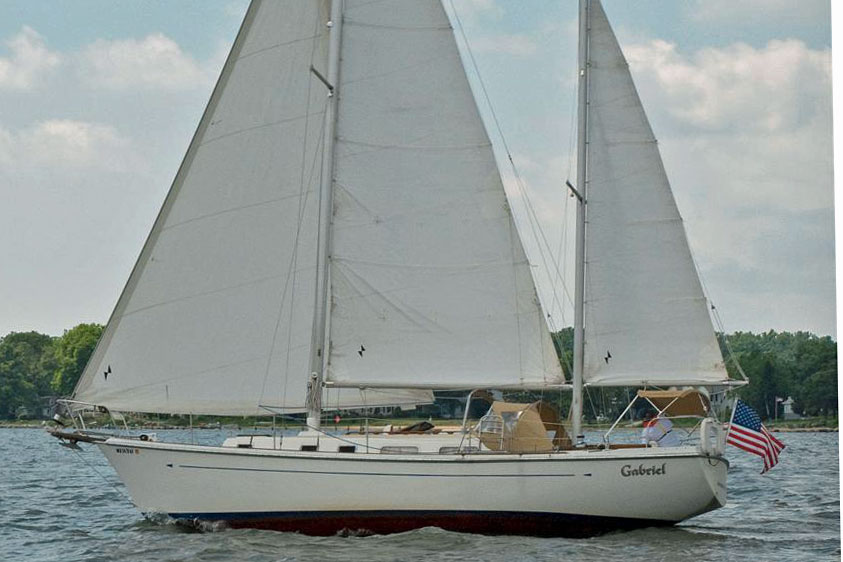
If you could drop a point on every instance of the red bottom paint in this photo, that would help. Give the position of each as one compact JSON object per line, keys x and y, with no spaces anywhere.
{"x":327,"y":523}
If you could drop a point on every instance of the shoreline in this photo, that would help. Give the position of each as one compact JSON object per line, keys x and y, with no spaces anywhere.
{"x":804,"y":429}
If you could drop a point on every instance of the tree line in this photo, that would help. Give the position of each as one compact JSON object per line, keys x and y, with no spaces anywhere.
{"x":34,"y":368}
{"x":779,"y":365}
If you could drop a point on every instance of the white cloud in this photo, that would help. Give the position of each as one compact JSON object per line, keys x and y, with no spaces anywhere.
{"x":30,"y":60}
{"x":71,"y":142}
{"x":154,"y":62}
{"x":64,"y":144}
{"x":757,"y":11}
{"x":737,"y":86}
{"x":757,"y":121}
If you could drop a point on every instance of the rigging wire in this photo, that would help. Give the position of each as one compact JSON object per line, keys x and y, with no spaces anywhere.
{"x":563,"y":235}
{"x":120,"y":491}
{"x":303,"y":199}
{"x":572,"y":127}
{"x":535,"y":226}
{"x":564,"y":241}
{"x":591,"y":401}
{"x":715,"y":314}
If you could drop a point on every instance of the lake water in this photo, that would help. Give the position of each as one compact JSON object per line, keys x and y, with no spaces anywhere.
{"x":58,"y":505}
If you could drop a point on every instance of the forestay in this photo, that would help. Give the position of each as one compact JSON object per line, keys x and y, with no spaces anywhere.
{"x":430,"y":284}
{"x":216,"y":316}
{"x":646,"y":318}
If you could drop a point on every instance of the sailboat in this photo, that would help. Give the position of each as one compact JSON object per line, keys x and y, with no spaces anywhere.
{"x":338,"y":236}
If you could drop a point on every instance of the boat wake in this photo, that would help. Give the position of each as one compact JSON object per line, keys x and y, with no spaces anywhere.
{"x":184,"y":525}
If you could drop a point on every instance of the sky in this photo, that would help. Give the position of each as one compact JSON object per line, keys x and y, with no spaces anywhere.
{"x":99,"y":100}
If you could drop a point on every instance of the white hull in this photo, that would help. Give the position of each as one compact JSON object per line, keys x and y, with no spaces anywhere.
{"x":572,"y":493}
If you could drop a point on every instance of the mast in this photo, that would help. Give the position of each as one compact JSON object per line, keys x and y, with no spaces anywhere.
{"x":319,"y":338}
{"x":582,"y":186}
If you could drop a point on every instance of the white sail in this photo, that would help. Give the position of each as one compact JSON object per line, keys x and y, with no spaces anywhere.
{"x":216,"y":316}
{"x":430,"y":284}
{"x":646,"y":318}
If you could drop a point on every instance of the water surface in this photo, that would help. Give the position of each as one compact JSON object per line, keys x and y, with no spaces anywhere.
{"x":62,"y":505}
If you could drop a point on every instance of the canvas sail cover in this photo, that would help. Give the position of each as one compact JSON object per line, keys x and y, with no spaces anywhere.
{"x":216,"y":316}
{"x":430,"y":285}
{"x":685,"y":402}
{"x":646,"y":318}
{"x":516,"y":428}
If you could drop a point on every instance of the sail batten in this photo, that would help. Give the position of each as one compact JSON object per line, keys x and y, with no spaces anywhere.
{"x":646,"y":317}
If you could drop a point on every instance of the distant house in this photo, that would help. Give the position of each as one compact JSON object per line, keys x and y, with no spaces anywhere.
{"x":787,"y":410}
{"x":49,"y":406}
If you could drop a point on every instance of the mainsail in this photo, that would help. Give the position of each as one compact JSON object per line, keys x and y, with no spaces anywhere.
{"x":646,"y":318}
{"x":429,"y":283}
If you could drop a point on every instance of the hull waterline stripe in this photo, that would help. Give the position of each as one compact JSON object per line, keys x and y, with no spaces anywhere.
{"x":326,"y":523}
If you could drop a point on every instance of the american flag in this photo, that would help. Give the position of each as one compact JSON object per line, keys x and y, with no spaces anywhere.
{"x":747,"y":432}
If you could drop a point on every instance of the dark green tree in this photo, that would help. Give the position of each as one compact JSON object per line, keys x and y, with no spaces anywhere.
{"x":814,"y":359}
{"x":72,"y":351}
{"x":782,"y":364}
{"x":26,"y":365}
{"x":819,"y":394}
{"x":563,"y":341}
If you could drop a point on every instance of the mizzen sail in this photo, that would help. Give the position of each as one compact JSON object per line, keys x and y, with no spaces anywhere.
{"x":646,"y":318}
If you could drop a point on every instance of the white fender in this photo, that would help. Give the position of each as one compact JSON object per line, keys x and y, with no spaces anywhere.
{"x":712,"y":437}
